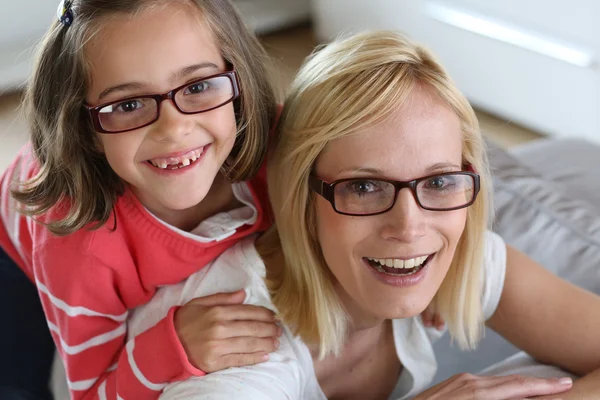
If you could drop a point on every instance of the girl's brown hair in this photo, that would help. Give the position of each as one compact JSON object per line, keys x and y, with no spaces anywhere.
{"x":63,"y":139}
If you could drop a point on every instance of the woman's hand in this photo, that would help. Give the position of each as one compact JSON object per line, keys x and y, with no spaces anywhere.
{"x":472,"y":387}
{"x":219,"y":332}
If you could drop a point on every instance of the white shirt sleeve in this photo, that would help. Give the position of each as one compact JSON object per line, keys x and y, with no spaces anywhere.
{"x":494,"y":273}
{"x":280,"y":378}
{"x":283,"y":376}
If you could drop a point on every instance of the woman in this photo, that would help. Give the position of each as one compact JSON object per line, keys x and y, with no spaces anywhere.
{"x":380,"y":189}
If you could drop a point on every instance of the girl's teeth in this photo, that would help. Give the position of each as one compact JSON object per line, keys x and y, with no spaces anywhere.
{"x":174,"y":161}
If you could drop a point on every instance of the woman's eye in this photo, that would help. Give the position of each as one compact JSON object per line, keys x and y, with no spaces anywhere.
{"x":128,"y":106}
{"x":362,"y":186}
{"x":436,"y":183}
{"x":197,"y":87}
{"x":439,"y":183}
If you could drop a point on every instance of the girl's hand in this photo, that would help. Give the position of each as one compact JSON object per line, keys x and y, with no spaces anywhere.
{"x":471,"y":387}
{"x":431,"y":319}
{"x":219,"y":332}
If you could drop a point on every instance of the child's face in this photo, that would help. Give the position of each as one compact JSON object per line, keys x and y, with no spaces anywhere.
{"x":149,"y":53}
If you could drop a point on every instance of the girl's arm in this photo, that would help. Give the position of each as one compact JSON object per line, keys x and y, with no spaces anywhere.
{"x":553,"y":320}
{"x":88,"y":316}
{"x":87,"y":319}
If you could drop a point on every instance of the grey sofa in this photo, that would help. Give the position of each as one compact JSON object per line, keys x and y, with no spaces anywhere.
{"x":547,"y":200}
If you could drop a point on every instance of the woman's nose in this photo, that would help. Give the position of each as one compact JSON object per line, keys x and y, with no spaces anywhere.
{"x":406,"y":221}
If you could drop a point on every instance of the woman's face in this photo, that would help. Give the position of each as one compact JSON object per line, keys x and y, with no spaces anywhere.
{"x":421,"y":138}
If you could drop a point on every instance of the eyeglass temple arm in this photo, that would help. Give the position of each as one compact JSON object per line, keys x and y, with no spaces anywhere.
{"x":316,"y":185}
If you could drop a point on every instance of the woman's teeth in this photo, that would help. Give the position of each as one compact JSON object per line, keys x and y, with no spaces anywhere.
{"x":396,"y":266}
{"x":397,"y":263}
{"x":177,"y":162}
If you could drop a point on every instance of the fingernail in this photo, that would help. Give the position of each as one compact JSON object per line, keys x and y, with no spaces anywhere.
{"x":565,"y":381}
{"x":276,"y":343}
{"x":279,"y":331}
{"x":265,"y":357}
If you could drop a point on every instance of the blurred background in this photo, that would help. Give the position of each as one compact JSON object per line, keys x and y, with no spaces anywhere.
{"x":529,"y":67}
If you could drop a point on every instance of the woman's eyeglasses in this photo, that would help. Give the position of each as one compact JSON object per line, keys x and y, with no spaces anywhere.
{"x":192,"y":98}
{"x":372,"y":196}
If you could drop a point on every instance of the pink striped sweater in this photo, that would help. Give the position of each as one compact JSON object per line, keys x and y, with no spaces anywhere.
{"x":88,"y":281}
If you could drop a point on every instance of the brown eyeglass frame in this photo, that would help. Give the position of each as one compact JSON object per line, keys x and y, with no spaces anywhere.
{"x":159,"y":98}
{"x":327,"y":190}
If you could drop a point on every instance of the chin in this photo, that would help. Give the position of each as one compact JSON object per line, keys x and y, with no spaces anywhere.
{"x":183,"y":202}
{"x":403,"y":307}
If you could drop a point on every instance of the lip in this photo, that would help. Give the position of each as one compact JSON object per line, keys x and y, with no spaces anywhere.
{"x":404,"y":258}
{"x":400,"y":281}
{"x":178,"y":153}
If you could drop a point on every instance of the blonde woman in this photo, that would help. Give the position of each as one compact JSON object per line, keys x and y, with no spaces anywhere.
{"x":380,"y":188}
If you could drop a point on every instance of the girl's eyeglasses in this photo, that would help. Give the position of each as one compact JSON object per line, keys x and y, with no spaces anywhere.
{"x":192,"y":98}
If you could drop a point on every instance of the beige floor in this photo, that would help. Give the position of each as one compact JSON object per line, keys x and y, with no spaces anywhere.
{"x":288,"y":49}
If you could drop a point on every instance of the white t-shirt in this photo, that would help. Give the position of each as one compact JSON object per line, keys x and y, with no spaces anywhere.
{"x":289,"y":373}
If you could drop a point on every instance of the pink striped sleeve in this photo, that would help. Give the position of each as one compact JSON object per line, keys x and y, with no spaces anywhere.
{"x":87,"y":319}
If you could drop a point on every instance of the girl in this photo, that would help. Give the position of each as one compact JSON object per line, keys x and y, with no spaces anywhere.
{"x":380,"y":189}
{"x":147,"y":120}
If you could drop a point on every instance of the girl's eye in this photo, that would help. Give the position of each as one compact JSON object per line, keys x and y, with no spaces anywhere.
{"x":197,"y":88}
{"x":128,"y":106}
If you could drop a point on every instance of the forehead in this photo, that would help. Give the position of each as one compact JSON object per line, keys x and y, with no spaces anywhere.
{"x":150,"y":46}
{"x":422,"y":132}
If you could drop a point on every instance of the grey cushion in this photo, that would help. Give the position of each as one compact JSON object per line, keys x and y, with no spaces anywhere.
{"x":546,"y":208}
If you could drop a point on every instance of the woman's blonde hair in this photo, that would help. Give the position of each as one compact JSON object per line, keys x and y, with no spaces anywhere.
{"x":63,"y":138}
{"x":343,"y":88}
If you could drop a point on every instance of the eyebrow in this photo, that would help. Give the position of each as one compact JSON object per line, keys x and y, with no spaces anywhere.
{"x":174,"y":78}
{"x":431,"y":169}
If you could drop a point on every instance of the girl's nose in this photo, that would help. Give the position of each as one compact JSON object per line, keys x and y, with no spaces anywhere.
{"x":171,"y":125}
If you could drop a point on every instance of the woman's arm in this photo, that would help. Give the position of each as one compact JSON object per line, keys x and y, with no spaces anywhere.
{"x":279,"y":378}
{"x":586,"y":388}
{"x":553,"y":320}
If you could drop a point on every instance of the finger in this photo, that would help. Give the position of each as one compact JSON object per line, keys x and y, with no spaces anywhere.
{"x":438,"y":322}
{"x":257,"y":329}
{"x":241,"y":312}
{"x":247,"y":345}
{"x":517,"y":386}
{"x":241,"y":360}
{"x":220,"y":299}
{"x":427,"y":317}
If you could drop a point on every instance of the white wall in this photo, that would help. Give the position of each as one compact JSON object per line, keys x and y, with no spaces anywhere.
{"x":23,"y":23}
{"x":520,"y":80}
